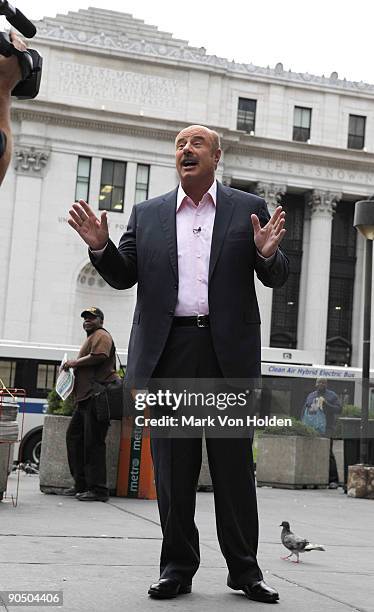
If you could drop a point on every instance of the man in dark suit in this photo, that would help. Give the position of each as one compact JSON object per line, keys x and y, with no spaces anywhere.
{"x":193,"y":253}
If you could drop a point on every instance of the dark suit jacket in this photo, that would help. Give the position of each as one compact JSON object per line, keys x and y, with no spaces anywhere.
{"x":147,"y":254}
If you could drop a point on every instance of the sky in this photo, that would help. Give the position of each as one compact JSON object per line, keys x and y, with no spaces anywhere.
{"x":318,"y":37}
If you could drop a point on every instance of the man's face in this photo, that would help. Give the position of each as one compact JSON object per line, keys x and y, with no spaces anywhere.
{"x":321,"y":386}
{"x":196,"y":155}
{"x":91,"y":323}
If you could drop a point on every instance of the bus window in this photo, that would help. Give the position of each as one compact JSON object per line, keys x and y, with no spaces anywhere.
{"x":7,"y":372}
{"x":46,"y":376}
{"x":281,"y":401}
{"x":371,"y":399}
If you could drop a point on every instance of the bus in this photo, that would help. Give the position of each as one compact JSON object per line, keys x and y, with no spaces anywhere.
{"x":288,"y":376}
{"x":34,"y":367}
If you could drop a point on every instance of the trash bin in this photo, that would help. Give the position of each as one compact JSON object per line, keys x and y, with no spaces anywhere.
{"x":135,"y":466}
{"x":350,"y":432}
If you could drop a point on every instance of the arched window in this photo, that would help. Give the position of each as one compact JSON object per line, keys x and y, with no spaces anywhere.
{"x":117,"y":306}
{"x":89,"y":278}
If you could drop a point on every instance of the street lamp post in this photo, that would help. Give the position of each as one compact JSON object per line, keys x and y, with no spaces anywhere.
{"x":364,"y":223}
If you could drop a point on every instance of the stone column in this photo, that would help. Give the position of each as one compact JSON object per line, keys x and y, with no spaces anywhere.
{"x":322,"y":205}
{"x":30,"y":166}
{"x":358,"y":304}
{"x":226,"y":180}
{"x":303,"y":277}
{"x":272,"y":194}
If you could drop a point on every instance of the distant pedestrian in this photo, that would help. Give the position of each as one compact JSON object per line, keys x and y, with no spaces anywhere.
{"x":85,"y":437}
{"x":320,"y":410}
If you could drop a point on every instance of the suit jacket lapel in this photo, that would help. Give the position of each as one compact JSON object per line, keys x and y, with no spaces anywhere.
{"x":167,"y":212}
{"x":224,"y":210}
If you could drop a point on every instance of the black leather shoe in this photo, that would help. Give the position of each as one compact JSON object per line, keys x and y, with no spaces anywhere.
{"x":258,"y":591}
{"x":167,"y":588}
{"x":91,"y":496}
{"x":71,"y":492}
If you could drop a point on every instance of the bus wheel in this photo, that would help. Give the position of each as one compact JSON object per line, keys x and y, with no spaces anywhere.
{"x":32,"y":447}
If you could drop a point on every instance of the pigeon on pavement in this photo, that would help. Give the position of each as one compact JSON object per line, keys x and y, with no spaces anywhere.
{"x":295,"y":544}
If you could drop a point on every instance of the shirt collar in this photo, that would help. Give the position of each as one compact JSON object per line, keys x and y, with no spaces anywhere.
{"x":212,"y":192}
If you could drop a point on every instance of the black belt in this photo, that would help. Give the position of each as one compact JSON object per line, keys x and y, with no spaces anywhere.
{"x":196,"y":321}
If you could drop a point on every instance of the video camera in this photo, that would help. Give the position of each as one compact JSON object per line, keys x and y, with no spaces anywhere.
{"x":30,"y":61}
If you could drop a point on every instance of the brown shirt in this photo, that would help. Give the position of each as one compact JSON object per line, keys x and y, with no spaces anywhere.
{"x":98,"y":343}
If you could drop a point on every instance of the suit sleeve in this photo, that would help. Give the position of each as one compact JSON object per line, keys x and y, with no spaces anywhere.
{"x":118,"y":266}
{"x":275,"y":272}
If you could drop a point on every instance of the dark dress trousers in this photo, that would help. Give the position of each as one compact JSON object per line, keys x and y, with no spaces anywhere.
{"x":229,"y":348}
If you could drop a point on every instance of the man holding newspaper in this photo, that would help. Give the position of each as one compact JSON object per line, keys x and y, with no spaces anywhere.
{"x":85,"y":437}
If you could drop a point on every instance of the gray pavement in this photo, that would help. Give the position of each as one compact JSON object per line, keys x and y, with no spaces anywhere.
{"x":104,"y":556}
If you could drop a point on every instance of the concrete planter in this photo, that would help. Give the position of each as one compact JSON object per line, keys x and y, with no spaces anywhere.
{"x":292,"y":461}
{"x":54,"y":471}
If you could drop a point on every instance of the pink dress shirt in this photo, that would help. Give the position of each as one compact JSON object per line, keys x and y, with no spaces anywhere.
{"x":194,"y":226}
{"x":194,"y":237}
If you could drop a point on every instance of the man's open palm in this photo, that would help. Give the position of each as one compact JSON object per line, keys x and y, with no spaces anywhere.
{"x":268,"y":238}
{"x":92,"y":230}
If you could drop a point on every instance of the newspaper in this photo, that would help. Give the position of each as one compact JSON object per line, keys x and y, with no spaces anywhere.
{"x":65,"y":381}
{"x":8,"y":431}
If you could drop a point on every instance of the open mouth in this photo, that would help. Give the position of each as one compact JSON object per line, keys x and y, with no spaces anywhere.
{"x":189,"y":163}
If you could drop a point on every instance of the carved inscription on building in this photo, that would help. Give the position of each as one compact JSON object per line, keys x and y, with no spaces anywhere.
{"x":310,"y":170}
{"x":84,"y":81}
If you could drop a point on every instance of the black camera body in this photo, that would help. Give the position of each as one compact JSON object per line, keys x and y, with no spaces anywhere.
{"x":30,"y":63}
{"x":28,"y":88}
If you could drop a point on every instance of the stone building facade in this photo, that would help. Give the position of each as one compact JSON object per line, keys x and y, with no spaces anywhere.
{"x":114,"y":93}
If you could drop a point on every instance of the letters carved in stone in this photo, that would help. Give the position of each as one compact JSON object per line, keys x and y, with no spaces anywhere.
{"x":82,"y":80}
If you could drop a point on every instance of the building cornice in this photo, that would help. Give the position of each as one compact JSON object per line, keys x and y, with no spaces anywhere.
{"x":234,"y":143}
{"x":120,"y":35}
{"x":80,"y":118}
{"x":284,"y":150}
